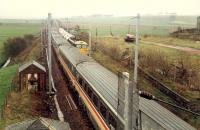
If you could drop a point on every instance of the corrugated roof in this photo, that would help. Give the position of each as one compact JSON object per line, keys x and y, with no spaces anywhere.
{"x":26,"y":65}
{"x":74,"y":55}
{"x":106,"y":84}
{"x":101,"y":81}
{"x":162,"y":116}
{"x":58,"y":38}
{"x":40,"y":124}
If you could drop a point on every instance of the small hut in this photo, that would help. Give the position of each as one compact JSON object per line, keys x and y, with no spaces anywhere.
{"x":32,"y":75}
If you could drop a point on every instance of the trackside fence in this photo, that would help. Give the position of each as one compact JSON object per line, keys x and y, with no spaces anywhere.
{"x":4,"y":105}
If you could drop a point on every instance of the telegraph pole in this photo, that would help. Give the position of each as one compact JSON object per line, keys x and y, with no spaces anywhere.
{"x":49,"y":51}
{"x":136,"y":49}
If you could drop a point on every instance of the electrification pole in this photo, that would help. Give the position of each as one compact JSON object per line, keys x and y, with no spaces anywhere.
{"x":49,"y":51}
{"x":90,"y":41}
{"x":67,"y":24}
{"x":136,"y":49}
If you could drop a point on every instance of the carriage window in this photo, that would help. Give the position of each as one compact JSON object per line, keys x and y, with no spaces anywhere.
{"x":112,"y":121}
{"x":89,"y":92}
{"x":84,"y":46}
{"x":85,"y":87}
{"x":103,"y":110}
{"x":95,"y":100}
{"x":78,"y":46}
{"x":80,"y":81}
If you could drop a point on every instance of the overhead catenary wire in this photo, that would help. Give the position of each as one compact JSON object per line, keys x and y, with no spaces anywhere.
{"x":152,"y":97}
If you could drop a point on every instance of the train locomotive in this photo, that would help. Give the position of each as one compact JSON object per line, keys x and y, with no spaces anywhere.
{"x":83,"y":46}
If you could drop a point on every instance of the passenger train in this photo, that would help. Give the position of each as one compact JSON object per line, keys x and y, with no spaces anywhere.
{"x":97,"y":88}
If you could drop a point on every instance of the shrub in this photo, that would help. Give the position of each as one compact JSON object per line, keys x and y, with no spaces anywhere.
{"x":13,"y":46}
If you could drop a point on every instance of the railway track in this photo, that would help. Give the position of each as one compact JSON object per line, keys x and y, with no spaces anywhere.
{"x":165,"y":89}
{"x":73,"y":113}
{"x":71,"y":103}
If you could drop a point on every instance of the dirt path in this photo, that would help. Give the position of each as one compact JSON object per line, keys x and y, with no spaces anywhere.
{"x":185,"y":49}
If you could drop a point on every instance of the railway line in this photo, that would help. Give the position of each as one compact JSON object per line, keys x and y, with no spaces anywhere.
{"x":165,"y":89}
{"x":72,"y":114}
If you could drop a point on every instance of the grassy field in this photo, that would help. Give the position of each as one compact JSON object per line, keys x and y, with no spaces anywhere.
{"x":13,"y":30}
{"x":121,"y":30}
{"x":149,"y":25}
{"x":173,"y":41}
{"x":162,"y":20}
{"x":6,"y":76}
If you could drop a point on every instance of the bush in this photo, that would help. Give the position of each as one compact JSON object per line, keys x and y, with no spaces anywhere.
{"x":181,"y":69}
{"x":28,"y":37}
{"x":13,"y":46}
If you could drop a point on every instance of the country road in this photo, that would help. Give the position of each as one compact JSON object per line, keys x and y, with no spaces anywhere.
{"x":185,"y":49}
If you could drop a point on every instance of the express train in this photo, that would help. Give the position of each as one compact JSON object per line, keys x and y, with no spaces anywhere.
{"x":97,"y":88}
{"x":83,"y":46}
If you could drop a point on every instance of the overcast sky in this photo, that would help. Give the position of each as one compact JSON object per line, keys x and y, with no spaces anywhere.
{"x":67,"y":8}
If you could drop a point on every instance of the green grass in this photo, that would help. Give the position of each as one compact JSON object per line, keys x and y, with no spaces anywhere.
{"x":174,"y":41}
{"x":6,"y":76}
{"x":151,"y":25}
{"x":144,"y":20}
{"x":13,"y":30}
{"x":20,"y":108}
{"x":122,"y":30}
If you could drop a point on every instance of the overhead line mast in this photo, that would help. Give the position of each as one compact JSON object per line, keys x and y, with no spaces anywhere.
{"x":49,"y":51}
{"x":136,"y":49}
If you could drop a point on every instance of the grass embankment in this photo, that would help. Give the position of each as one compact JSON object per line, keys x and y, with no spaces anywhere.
{"x":173,"y":41}
{"x":6,"y":76}
{"x":19,"y":108}
{"x":174,"y":57}
{"x":10,"y":30}
{"x":32,"y":52}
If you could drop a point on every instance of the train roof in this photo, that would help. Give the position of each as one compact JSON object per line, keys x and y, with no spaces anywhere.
{"x":105,"y":84}
{"x":74,"y":55}
{"x":101,"y":79}
{"x":59,"y":39}
{"x":80,"y":43}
